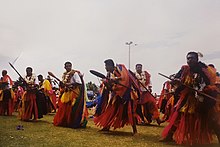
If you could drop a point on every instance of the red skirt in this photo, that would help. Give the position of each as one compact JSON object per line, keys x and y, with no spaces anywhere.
{"x":116,"y":115}
{"x":150,"y":105}
{"x":63,"y":115}
{"x":29,"y":106}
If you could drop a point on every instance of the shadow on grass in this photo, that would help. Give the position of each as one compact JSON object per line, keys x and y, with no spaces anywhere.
{"x":116,"y":133}
{"x":51,"y":114}
{"x":43,"y":121}
{"x":36,"y":121}
{"x":208,"y":145}
{"x":153,"y":140}
{"x":156,"y":138}
{"x":151,"y":125}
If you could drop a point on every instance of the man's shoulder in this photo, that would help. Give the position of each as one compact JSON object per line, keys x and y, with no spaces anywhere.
{"x":120,"y":67}
{"x":185,"y":66}
{"x":146,"y":73}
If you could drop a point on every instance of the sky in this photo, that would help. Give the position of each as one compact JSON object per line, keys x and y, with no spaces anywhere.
{"x":44,"y":34}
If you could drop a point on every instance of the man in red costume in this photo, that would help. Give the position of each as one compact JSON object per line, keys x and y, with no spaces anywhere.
{"x":6,"y":94}
{"x":194,"y":118}
{"x":116,"y":107}
{"x":29,"y":102}
{"x":147,"y":108}
{"x":72,"y":111}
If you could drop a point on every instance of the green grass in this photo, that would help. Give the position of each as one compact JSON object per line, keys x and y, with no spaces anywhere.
{"x":43,"y":133}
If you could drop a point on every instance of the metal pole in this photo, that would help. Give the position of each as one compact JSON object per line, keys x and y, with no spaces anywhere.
{"x":129,"y":55}
{"x":129,"y":52}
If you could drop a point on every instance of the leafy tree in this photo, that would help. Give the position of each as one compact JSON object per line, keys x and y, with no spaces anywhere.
{"x":92,"y":86}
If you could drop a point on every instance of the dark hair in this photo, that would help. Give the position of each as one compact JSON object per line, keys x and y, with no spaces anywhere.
{"x":138,"y":64}
{"x":67,"y":63}
{"x":4,"y":71}
{"x":211,"y":65}
{"x":29,"y":68}
{"x":193,"y":53}
{"x":109,"y":62}
{"x":40,"y":76}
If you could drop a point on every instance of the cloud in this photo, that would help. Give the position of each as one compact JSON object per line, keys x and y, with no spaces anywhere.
{"x":212,"y":56}
{"x":178,"y":35}
{"x":4,"y":58}
{"x":160,"y":44}
{"x":167,"y":41}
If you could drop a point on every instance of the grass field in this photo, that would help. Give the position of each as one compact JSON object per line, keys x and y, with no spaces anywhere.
{"x":43,"y":133}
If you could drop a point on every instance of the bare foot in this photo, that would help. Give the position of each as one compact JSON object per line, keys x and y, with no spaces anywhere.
{"x":135,"y":134}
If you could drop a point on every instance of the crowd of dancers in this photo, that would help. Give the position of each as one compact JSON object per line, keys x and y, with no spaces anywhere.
{"x":189,"y":100}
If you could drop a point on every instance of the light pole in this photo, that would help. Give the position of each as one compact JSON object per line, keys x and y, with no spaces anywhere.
{"x":129,"y":52}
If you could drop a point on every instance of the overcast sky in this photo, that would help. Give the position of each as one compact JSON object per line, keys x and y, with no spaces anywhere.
{"x":46,"y":33}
